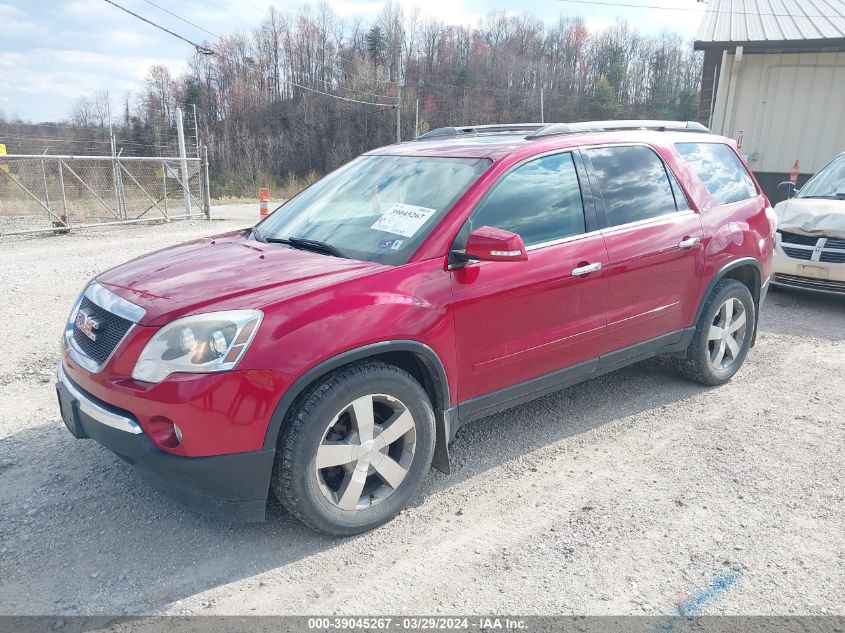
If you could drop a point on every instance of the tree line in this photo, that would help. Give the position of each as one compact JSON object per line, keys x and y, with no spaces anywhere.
{"x":308,"y":90}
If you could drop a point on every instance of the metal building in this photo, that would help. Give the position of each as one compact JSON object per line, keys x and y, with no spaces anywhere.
{"x":774,"y":80}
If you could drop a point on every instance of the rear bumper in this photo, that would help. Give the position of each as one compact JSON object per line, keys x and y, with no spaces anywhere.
{"x":230,"y":487}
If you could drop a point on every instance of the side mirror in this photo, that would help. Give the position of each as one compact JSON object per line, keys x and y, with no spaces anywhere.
{"x":788,"y":187}
{"x":490,"y":244}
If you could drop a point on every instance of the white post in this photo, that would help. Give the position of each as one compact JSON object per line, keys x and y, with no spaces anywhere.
{"x":180,"y":130}
{"x":542,"y":114}
{"x":115,"y":171}
{"x":196,"y":130}
{"x":200,"y":183}
{"x":399,"y":112}
{"x":417,"y":120}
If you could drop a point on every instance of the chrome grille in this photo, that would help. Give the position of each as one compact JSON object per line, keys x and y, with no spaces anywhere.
{"x":797,"y":253}
{"x":832,"y":257}
{"x":829,"y":250}
{"x":111,"y":331}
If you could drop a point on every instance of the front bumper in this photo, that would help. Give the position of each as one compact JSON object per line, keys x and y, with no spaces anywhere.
{"x":229,"y":487}
{"x":806,"y":274}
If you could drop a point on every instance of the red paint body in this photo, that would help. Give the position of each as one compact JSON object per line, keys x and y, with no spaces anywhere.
{"x":492,"y":324}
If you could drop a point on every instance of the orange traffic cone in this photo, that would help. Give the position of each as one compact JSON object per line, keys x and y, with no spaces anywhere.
{"x":264,"y":201}
{"x":793,"y":177}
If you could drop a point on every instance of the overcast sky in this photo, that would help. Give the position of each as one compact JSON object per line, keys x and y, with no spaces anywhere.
{"x":55,"y":51}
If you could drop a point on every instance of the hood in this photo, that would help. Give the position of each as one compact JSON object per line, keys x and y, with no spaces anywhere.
{"x":812,"y":216}
{"x":224,"y":273}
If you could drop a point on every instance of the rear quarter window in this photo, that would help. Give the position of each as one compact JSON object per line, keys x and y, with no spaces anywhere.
{"x":720,"y":169}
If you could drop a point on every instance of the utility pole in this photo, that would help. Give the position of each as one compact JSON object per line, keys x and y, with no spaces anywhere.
{"x":399,"y":110}
{"x":542,"y":114}
{"x":417,"y":121}
{"x":183,"y":157}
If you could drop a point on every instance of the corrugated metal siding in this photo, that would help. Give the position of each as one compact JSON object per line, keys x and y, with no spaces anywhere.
{"x":789,"y":106}
{"x":772,"y":20}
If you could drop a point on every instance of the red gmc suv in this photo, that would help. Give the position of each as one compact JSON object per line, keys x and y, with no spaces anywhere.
{"x":330,"y":353}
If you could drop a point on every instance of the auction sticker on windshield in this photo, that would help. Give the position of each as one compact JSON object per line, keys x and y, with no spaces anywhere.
{"x":403,"y":219}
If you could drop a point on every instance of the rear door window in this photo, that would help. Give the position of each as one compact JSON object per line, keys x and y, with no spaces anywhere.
{"x":720,"y":169}
{"x":633,"y":183}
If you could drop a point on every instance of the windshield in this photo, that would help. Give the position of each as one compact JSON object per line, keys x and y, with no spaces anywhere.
{"x":828,"y":183}
{"x":375,"y":208}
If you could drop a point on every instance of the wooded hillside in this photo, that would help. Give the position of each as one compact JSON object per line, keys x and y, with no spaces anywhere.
{"x":263,"y":114}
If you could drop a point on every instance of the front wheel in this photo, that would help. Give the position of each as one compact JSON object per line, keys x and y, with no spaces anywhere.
{"x":356,"y":449}
{"x":723,"y":335}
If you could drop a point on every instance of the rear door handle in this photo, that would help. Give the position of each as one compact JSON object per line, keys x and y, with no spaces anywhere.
{"x":689,"y":242}
{"x":586,"y":270}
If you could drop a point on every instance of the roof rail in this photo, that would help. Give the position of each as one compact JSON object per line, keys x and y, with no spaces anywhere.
{"x":556,"y":129}
{"x":473,"y":130}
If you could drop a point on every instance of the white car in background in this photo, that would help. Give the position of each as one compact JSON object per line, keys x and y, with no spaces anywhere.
{"x":810,"y":244}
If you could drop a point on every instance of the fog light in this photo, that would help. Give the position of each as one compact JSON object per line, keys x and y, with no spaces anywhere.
{"x":164,"y":433}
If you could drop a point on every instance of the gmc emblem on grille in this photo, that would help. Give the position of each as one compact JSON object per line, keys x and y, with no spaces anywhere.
{"x":87,"y":324}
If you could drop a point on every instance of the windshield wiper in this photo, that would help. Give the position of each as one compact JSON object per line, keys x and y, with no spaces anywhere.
{"x":316,"y":245}
{"x":307,"y":245}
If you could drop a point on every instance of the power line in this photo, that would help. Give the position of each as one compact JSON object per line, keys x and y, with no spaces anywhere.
{"x":178,"y":17}
{"x":202,"y":50}
{"x":363,"y":92}
{"x":328,"y":94}
{"x":532,"y":92}
{"x":256,"y":8}
{"x":631,"y":5}
{"x":346,"y":72}
{"x":225,"y":10}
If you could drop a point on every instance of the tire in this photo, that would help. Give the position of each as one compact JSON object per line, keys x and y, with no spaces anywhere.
{"x":321,"y":458}
{"x":699,"y":364}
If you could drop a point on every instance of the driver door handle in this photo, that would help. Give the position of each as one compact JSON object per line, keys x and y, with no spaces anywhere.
{"x":689,"y":242}
{"x":586,"y":270}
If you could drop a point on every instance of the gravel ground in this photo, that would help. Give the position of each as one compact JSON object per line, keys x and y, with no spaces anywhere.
{"x":630,"y":494}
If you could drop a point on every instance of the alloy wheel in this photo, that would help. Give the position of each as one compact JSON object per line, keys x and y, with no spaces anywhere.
{"x":365,"y":452}
{"x":727,"y":334}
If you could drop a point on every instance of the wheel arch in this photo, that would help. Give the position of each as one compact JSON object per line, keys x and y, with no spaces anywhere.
{"x":745,"y":270}
{"x":418,"y":359}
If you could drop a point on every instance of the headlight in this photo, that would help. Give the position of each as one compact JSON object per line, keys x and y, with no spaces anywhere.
{"x":198,"y":344}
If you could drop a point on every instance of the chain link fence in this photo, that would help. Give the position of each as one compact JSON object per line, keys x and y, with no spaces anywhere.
{"x":45,"y":193}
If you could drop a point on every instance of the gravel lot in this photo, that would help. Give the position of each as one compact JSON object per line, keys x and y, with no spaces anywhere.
{"x":631,"y":494}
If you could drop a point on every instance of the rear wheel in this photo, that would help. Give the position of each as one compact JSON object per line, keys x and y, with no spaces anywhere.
{"x":723,"y":335}
{"x":356,"y":449}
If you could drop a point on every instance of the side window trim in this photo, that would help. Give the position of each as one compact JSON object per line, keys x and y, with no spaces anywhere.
{"x":588,"y":201}
{"x":601,"y":210}
{"x":588,"y":197}
{"x":677,"y":189}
